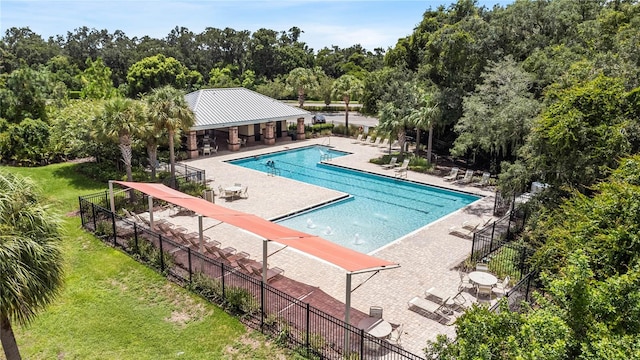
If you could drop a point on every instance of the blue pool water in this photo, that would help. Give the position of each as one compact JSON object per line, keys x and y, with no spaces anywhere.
{"x":380,"y":209}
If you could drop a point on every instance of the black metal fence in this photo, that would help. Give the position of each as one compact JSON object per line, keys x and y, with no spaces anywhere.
{"x":186,"y":173}
{"x":519,"y":294}
{"x":288,"y":320}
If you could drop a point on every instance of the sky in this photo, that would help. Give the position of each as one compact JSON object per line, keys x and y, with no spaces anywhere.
{"x":371,"y":24}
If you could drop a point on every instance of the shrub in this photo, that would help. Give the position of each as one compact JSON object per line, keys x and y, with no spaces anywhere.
{"x":239,"y":300}
{"x":208,"y":288}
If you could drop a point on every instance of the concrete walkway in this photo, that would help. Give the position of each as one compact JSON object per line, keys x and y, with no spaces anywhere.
{"x":428,"y":256}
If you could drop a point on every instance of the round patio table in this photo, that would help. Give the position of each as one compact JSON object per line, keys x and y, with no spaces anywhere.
{"x":375,"y":327}
{"x":483,"y":278}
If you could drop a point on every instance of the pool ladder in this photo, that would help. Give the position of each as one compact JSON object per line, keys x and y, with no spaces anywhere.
{"x":273,"y":171}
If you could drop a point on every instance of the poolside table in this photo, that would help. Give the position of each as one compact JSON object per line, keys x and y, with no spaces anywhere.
{"x":483,"y":278}
{"x":375,"y":326}
{"x":233,"y":190}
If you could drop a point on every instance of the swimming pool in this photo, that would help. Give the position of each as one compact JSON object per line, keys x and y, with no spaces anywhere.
{"x":379,"y":209}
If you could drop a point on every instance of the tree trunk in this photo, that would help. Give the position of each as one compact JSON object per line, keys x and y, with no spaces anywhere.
{"x":301,"y":96}
{"x":8,"y":339}
{"x":417,"y":140}
{"x":346,"y":116}
{"x":153,"y":159}
{"x":172,"y":159}
{"x":402,"y":138}
{"x":430,"y":144}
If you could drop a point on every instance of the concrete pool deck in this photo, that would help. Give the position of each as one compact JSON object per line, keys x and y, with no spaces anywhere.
{"x":427,"y":257}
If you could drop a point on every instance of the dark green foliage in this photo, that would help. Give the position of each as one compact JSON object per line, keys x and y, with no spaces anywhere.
{"x":240,"y":300}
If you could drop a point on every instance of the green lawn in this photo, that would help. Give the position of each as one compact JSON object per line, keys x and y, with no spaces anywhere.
{"x":112,"y":307}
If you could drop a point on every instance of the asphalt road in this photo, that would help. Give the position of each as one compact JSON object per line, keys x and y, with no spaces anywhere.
{"x":355,"y":118}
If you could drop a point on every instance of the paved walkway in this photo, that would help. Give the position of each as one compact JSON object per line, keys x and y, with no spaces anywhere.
{"x":427,"y":257}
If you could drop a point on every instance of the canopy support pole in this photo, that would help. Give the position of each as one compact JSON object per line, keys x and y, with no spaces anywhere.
{"x":151,"y":212}
{"x":111,"y":200}
{"x":265,"y":249}
{"x":200,"y":235}
{"x":347,"y":312}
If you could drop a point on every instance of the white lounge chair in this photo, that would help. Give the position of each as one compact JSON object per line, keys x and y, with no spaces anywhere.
{"x":459,"y":232}
{"x":392,"y":163}
{"x":484,"y":181}
{"x":468,"y":177}
{"x":384,"y":143}
{"x":429,"y":308}
{"x":358,"y":139}
{"x":402,"y":170}
{"x":366,"y":140}
{"x":453,"y":174}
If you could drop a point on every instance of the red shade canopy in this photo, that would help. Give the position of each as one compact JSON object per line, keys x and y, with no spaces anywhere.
{"x":347,"y":259}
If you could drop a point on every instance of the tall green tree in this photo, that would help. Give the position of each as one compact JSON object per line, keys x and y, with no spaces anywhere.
{"x":96,"y":81}
{"x":302,"y":81}
{"x":580,"y":134}
{"x":31,"y":262}
{"x":425,"y":117}
{"x":170,"y":112}
{"x":498,"y":115}
{"x":119,"y":122}
{"x":157,"y":71}
{"x":347,"y":87}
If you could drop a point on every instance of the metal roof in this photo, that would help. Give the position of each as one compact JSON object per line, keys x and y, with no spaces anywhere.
{"x":218,"y":108}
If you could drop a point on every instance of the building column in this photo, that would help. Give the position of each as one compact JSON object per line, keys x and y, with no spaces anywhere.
{"x":234,"y":144}
{"x":300,"y":129}
{"x":269,"y":133}
{"x":192,"y":145}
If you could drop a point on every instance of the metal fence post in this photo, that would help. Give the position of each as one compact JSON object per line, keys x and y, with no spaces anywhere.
{"x":473,"y":246}
{"x":113,"y":226}
{"x":262,"y":305}
{"x":306,"y":339}
{"x":161,"y":254}
{"x":135,"y":238}
{"x":93,"y":213}
{"x":80,"y":201}
{"x":189,"y":261}
{"x":222,"y":281}
{"x":106,"y":200}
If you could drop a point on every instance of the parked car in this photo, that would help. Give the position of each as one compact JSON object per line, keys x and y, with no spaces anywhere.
{"x":318,"y":119}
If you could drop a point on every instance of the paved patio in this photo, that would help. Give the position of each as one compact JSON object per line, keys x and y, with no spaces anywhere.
{"x":428,"y":256}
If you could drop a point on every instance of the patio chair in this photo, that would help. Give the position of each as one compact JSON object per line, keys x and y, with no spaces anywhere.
{"x":482,"y":267}
{"x":366,"y":141}
{"x":244,"y":194}
{"x":465,"y":282}
{"x":392,"y":163}
{"x":468,"y":176}
{"x":384,"y":143}
{"x":460,"y":301}
{"x":453,"y":174}
{"x":501,"y":287}
{"x":395,"y":336}
{"x":484,"y":290}
{"x":358,"y":139}
{"x":375,"y":312}
{"x":402,"y":170}
{"x":484,"y":181}
{"x":206,"y":150}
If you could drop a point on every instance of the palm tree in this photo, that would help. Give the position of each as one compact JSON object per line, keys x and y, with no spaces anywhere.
{"x":150,"y":135}
{"x":423,"y":118}
{"x":393,"y":121}
{"x":347,"y":87}
{"x":30,"y":257}
{"x":302,"y":80}
{"x":170,"y":112}
{"x":119,"y":121}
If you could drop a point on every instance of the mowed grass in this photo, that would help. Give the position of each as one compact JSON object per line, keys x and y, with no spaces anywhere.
{"x":112,"y":307}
